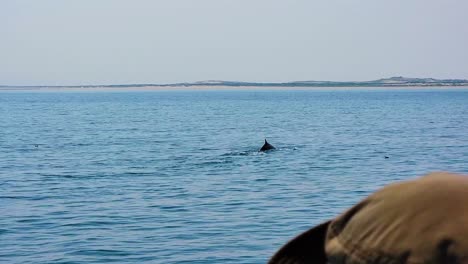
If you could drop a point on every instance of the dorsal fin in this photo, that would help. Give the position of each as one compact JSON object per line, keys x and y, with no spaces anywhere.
{"x":266,"y":146}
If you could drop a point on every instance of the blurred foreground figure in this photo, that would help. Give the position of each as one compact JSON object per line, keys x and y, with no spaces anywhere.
{"x":418,"y":221}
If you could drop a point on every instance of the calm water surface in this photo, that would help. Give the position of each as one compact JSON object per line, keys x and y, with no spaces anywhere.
{"x":175,"y":177}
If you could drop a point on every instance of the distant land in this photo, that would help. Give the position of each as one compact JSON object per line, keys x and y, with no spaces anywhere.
{"x":393,"y":81}
{"x":386,"y":82}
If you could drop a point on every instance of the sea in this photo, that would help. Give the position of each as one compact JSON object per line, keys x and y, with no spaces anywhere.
{"x":127,"y":176}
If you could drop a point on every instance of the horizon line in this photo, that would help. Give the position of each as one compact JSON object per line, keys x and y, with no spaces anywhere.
{"x":403,"y":80}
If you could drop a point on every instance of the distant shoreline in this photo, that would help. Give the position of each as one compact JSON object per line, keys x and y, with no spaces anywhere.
{"x":385,"y":83}
{"x":225,"y":88}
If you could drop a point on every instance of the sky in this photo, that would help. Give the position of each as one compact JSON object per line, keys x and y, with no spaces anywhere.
{"x":80,"y":42}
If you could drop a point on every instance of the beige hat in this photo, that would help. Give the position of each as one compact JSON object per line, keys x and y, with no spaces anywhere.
{"x":418,"y":221}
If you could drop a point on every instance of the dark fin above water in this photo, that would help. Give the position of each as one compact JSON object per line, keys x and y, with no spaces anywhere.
{"x":267,"y":146}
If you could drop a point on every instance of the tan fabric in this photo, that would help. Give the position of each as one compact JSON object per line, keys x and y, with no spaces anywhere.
{"x":306,"y":248}
{"x":418,"y":221}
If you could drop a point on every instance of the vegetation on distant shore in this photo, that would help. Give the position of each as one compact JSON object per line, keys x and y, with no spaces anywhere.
{"x":387,"y":82}
{"x":394,"y":81}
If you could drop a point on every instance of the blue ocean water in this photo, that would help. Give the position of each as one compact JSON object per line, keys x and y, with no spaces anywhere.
{"x":175,"y":177}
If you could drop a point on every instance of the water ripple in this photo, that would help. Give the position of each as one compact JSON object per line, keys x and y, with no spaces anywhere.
{"x":164,"y":177}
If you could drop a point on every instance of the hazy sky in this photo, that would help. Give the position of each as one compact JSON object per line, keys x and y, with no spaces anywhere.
{"x":56,"y":42}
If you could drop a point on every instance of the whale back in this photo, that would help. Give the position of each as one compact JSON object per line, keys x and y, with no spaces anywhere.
{"x":267,"y":146}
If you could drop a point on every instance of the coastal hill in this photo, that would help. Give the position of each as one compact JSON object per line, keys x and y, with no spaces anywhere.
{"x":386,"y":82}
